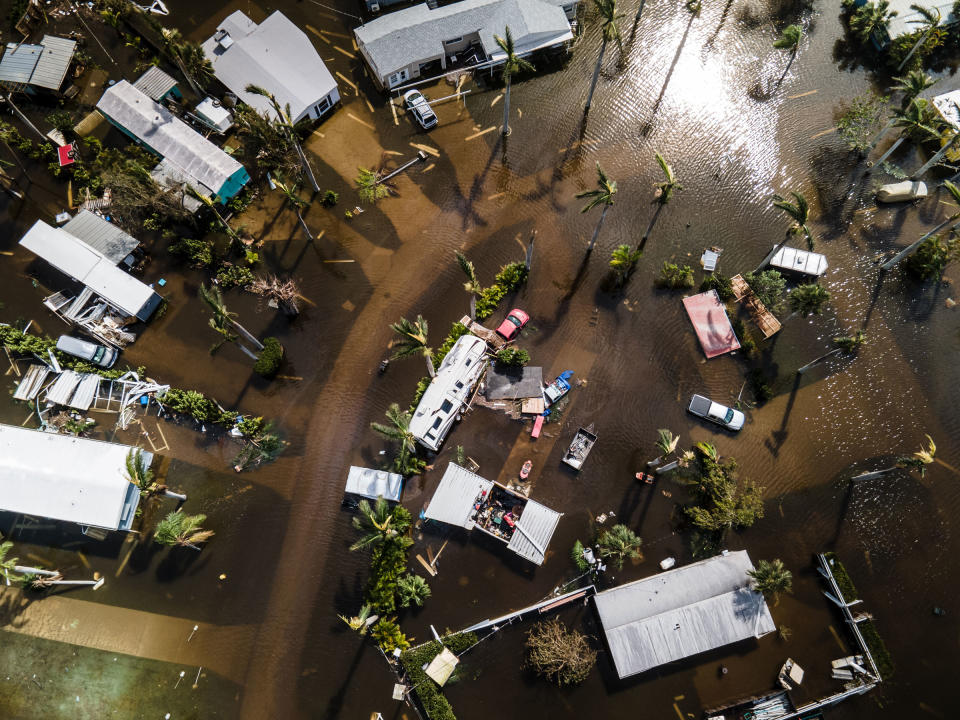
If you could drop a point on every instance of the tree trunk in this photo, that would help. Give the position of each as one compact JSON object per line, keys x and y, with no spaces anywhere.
{"x":430,"y":368}
{"x":889,"y":152}
{"x":303,"y":224}
{"x":596,"y":74}
{"x":879,"y":137}
{"x":25,"y":119}
{"x":174,"y":495}
{"x":936,"y":158}
{"x":505,"y":130}
{"x":248,"y":336}
{"x":912,"y":248}
{"x":596,"y":230}
{"x":303,"y":161}
{"x":473,"y":307}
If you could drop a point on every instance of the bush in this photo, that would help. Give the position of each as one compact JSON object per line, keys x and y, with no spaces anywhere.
{"x":389,"y":636}
{"x":388,"y":563}
{"x":747,"y":342}
{"x":769,"y":287}
{"x":270,"y":358}
{"x":512,"y":357}
{"x":561,"y":655}
{"x":199,"y":253}
{"x":719,"y":282}
{"x":675,"y":277}
{"x":858,"y":125}
{"x":723,"y":502}
{"x":457,"y":331}
{"x":809,"y":299}
{"x":932,"y":257}
{"x":229,"y":276}
{"x":413,"y":661}
{"x":509,"y":278}
{"x":330,"y":198}
{"x":622,"y":261}
{"x":576,"y":554}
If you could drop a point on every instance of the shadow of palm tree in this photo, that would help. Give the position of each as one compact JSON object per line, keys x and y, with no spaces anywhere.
{"x":708,"y":45}
{"x":779,"y":436}
{"x":648,"y":125}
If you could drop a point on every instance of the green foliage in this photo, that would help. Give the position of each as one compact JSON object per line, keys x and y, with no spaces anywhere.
{"x":769,"y":287}
{"x":62,"y":121}
{"x":196,"y":405}
{"x":178,"y":528}
{"x":675,"y":277}
{"x":932,"y":257}
{"x":770,"y":578}
{"x":860,"y":122}
{"x":576,"y":554}
{"x":869,"y":20}
{"x":670,"y":183}
{"x":16,"y":11}
{"x":230,"y":275}
{"x":329,"y":199}
{"x":849,"y":343}
{"x":270,"y":358}
{"x":368,"y":186}
{"x":388,"y":563}
{"x":509,"y":278}
{"x":199,"y":253}
{"x":412,"y":590}
{"x":847,"y":588}
{"x":241,"y":201}
{"x":512,"y":357}
{"x":622,"y":261}
{"x":900,"y":47}
{"x":457,"y":331}
{"x":422,"y":386}
{"x":430,"y":694}
{"x":809,"y":299}
{"x":758,"y":385}
{"x":389,"y":636}
{"x":748,"y":344}
{"x":789,"y":38}
{"x":138,"y":472}
{"x":723,"y":501}
{"x":619,"y":543}
{"x":878,"y":648}
{"x":719,"y":282}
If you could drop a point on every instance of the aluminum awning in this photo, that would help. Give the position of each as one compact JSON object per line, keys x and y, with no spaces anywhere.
{"x":533,"y":531}
{"x":453,"y":501}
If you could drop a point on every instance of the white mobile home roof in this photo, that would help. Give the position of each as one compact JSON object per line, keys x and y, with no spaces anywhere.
{"x":75,"y":258}
{"x":275,"y":55}
{"x":207,"y":165}
{"x":682,"y":612}
{"x":905,"y":19}
{"x":66,"y":478}
{"x":104,"y":237}
{"x":801,"y":261}
{"x":947,"y":105}
{"x":416,"y":34}
{"x":374,"y":483}
{"x":534,"y":531}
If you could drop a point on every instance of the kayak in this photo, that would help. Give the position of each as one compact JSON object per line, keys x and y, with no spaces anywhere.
{"x":901,"y":191}
{"x":525,"y":470}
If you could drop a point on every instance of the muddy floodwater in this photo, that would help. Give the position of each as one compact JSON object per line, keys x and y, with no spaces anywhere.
{"x":705,"y":92}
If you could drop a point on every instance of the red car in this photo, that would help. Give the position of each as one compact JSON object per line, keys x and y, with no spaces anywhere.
{"x":514,"y":323}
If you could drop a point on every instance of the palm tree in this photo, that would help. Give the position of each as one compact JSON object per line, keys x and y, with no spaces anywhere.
{"x":180,"y":529}
{"x":512,"y":64}
{"x":223,"y":319}
{"x":770,"y":578}
{"x":472,"y":285}
{"x":919,"y":461}
{"x":212,"y":206}
{"x":190,"y":58}
{"x":871,"y":20}
{"x":849,"y":343}
{"x":708,"y":450}
{"x":929,"y":21}
{"x":911,"y":85}
{"x":377,"y":523}
{"x":622,"y":261}
{"x":412,"y":590}
{"x":918,"y":121}
{"x":809,"y":299}
{"x":602,"y":195}
{"x":607,"y":13}
{"x":285,"y":121}
{"x":912,"y":248}
{"x":297,"y":203}
{"x":618,"y":544}
{"x":362,"y":621}
{"x":398,"y":430}
{"x":666,"y":442}
{"x":7,"y":565}
{"x":369,"y":186}
{"x":789,"y":40}
{"x":670,"y":183}
{"x":413,"y":341}
{"x":799,"y":211}
{"x":138,"y":472}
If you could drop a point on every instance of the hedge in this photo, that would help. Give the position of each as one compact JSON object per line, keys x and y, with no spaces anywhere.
{"x":431,"y":697}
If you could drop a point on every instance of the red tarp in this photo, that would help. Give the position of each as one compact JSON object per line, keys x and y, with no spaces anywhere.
{"x":709,"y":318}
{"x":65,"y":155}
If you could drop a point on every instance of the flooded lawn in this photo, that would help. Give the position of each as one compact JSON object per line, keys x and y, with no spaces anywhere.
{"x":703,"y":92}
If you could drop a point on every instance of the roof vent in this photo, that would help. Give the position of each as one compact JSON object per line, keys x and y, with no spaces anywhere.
{"x":223,"y":39}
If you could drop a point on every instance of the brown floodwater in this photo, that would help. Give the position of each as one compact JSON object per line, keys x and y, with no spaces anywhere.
{"x":704,"y":93}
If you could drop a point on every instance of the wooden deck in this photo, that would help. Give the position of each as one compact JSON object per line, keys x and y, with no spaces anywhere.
{"x":491,"y":338}
{"x":765,"y":320}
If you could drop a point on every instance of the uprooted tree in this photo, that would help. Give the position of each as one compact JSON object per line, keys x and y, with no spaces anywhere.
{"x":558,"y":654}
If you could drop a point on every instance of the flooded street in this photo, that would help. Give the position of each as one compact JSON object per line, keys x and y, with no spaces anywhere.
{"x":704,"y":91}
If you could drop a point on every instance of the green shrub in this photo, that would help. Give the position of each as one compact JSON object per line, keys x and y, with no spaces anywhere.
{"x":330,"y":198}
{"x":878,"y":648}
{"x":675,"y":277}
{"x":769,"y":287}
{"x":509,"y":278}
{"x":268,"y":362}
{"x":199,"y":253}
{"x":719,"y":282}
{"x":413,"y":661}
{"x":513,"y":357}
{"x":422,"y":386}
{"x":809,"y":299}
{"x":576,"y":554}
{"x":847,"y":588}
{"x":457,"y":331}
{"x":388,"y":563}
{"x":932,"y":257}
{"x":229,"y":276}
{"x":389,"y":636}
{"x":622,"y":261}
{"x":747,"y":342}
{"x":858,"y":125}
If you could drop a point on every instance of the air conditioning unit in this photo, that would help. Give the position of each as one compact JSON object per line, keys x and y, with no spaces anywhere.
{"x":374,"y":7}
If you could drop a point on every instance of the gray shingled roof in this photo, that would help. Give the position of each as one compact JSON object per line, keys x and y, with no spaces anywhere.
{"x":682,"y":612}
{"x":204,"y":163}
{"x":44,"y":65}
{"x":416,"y":34}
{"x":155,"y":83}
{"x":101,"y":235}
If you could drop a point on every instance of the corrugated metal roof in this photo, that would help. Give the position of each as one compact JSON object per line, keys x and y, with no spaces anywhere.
{"x":54,"y":62}
{"x":66,"y":478}
{"x":155,"y":83}
{"x":683,"y":612}
{"x":416,"y":34}
{"x":374,"y":483}
{"x":533,"y":531}
{"x":103,"y":236}
{"x":207,"y":166}
{"x":809,"y":263}
{"x":18,"y":63}
{"x":456,"y":494}
{"x":63,"y":387}
{"x":275,"y":55}
{"x":78,"y":260}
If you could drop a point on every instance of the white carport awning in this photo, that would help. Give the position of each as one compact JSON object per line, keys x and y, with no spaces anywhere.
{"x":456,"y":494}
{"x":533,"y":531}
{"x":374,"y":483}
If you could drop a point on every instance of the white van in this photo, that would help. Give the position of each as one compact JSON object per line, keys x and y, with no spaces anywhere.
{"x":100,"y":355}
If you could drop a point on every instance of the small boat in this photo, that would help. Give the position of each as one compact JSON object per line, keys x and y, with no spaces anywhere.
{"x":558,"y":388}
{"x":645,"y":477}
{"x":581,"y":446}
{"x":525,"y":470}
{"x":902,"y":191}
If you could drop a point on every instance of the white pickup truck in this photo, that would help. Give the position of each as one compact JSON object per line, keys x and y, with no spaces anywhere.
{"x":717,"y":413}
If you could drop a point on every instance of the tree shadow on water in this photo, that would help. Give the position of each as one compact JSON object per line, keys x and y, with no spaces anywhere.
{"x":178,"y":561}
{"x":648,"y":125}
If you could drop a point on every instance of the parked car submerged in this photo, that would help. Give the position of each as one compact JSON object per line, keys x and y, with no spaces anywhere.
{"x":716,"y":413}
{"x":513,"y":324}
{"x":416,"y":103}
{"x":100,"y":355}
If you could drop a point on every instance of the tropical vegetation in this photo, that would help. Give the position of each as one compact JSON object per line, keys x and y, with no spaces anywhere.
{"x":618,"y":544}
{"x":607,"y":16}
{"x":558,"y":654}
{"x":405,"y":462}
{"x":602,"y":195}
{"x":182,"y":530}
{"x":771,"y":578}
{"x":769,"y":286}
{"x":623,"y":260}
{"x":809,"y":299}
{"x":675,"y":277}
{"x":920,"y":459}
{"x":799,"y":212}
{"x":511,"y":65}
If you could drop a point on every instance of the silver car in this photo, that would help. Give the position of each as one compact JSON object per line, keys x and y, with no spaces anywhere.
{"x":416,"y":104}
{"x":100,"y":355}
